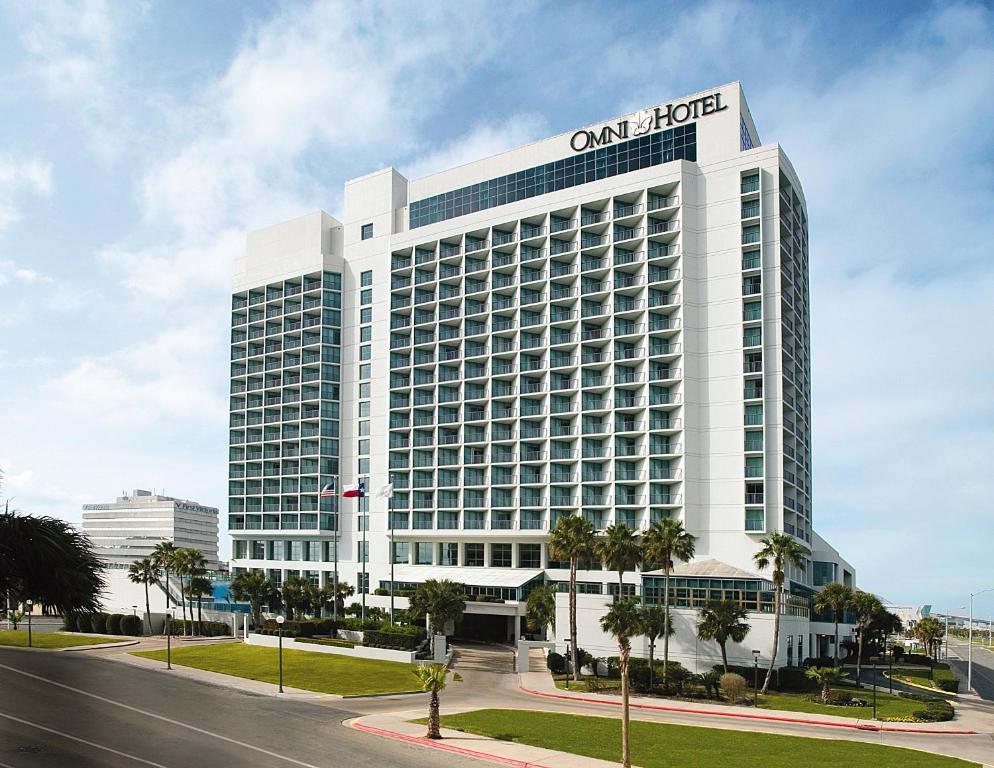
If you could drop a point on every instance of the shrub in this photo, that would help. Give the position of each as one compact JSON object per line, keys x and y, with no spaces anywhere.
{"x":710,"y":681}
{"x":792,"y":680}
{"x":327,"y":641}
{"x":71,"y":622}
{"x":131,"y":625}
{"x":733,"y":686}
{"x":584,"y":657}
{"x":556,"y":663}
{"x":210,"y":628}
{"x":944,"y":679}
{"x":357,"y":624}
{"x":84,"y":622}
{"x":820,"y":661}
{"x":401,"y":641}
{"x":98,"y":623}
{"x":381,"y":591}
{"x":933,"y":710}
{"x":917,"y":658}
{"x":114,"y":623}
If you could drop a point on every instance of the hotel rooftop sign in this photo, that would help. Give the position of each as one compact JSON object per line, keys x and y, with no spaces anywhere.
{"x":646,"y":121}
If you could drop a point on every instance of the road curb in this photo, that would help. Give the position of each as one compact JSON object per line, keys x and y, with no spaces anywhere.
{"x":97,"y":647}
{"x":856,"y":726}
{"x":441,"y":745}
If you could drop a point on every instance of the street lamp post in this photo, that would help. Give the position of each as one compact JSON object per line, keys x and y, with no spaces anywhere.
{"x":873,"y":661}
{"x":279,"y":632}
{"x":891,"y":677}
{"x":969,"y":648}
{"x":755,"y":678}
{"x":29,"y":603}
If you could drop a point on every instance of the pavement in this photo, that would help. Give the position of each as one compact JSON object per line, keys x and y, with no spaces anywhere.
{"x":168,"y":717}
{"x":983,"y":667}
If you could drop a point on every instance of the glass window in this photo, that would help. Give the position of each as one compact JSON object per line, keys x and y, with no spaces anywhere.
{"x":401,"y":552}
{"x":448,"y":553}
{"x":366,"y":279}
{"x":364,"y":466}
{"x":365,"y":351}
{"x":422,"y":553}
{"x":529,"y":555}
{"x":366,"y":333}
{"x":362,"y":551}
{"x":366,"y":296}
{"x":364,"y":371}
{"x":366,"y":315}
{"x":364,"y":409}
{"x":364,"y":446}
{"x":500,"y":555}
{"x":364,"y":389}
{"x":474,"y":554}
{"x":367,"y":232}
{"x":363,"y":428}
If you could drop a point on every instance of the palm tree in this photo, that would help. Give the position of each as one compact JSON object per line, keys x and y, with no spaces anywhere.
{"x":188,"y":562}
{"x":620,"y":551}
{"x":432,"y":677}
{"x":825,"y":677}
{"x":46,"y":560}
{"x":198,"y":587}
{"x":778,"y":550}
{"x":623,"y":621}
{"x":834,"y":597}
{"x":296,"y":596}
{"x":326,"y":596}
{"x":164,"y":557}
{"x":665,"y":542}
{"x":929,"y":630}
{"x":721,"y":621}
{"x":440,"y":600}
{"x":867,"y":607}
{"x":144,"y":572}
{"x":654,"y":625}
{"x":540,"y":610}
{"x":257,"y":589}
{"x":572,"y":539}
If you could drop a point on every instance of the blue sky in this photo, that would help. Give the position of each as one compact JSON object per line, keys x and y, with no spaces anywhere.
{"x":140,"y":141}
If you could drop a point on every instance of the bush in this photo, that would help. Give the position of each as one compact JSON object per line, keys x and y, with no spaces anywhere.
{"x":584,"y":657}
{"x":944,"y":679}
{"x":556,"y":663}
{"x":917,"y":658}
{"x":485,"y":598}
{"x":733,"y":686}
{"x":933,"y":711}
{"x":710,"y":682}
{"x":327,"y":641}
{"x":71,"y":622}
{"x":84,"y":622}
{"x":792,"y":680}
{"x":401,"y":641}
{"x":381,"y":591}
{"x":131,"y":625}
{"x":114,"y":623}
{"x":98,"y":623}
{"x":357,"y":624}
{"x":820,"y":661}
{"x":840,"y":699}
{"x":210,"y":628}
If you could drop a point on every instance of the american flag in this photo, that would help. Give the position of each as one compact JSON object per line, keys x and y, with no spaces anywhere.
{"x":328,"y":491}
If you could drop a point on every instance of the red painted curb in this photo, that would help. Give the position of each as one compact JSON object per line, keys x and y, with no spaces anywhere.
{"x":746,"y":716}
{"x":423,"y":742}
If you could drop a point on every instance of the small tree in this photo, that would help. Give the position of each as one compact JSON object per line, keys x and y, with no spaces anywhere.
{"x":145,"y":572}
{"x":572,"y":539}
{"x":199,"y":587}
{"x":540,"y":610}
{"x":826,"y":677}
{"x":433,"y":681}
{"x":620,"y":551}
{"x":867,"y":607}
{"x":296,"y":594}
{"x":441,"y":601}
{"x":835,"y":597}
{"x":733,"y":686}
{"x":15,"y":617}
{"x":653,"y":624}
{"x":624,"y":622}
{"x":721,"y":621}
{"x":256,"y":589}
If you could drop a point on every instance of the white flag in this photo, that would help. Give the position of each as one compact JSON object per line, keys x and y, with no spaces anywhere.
{"x":386,"y":492}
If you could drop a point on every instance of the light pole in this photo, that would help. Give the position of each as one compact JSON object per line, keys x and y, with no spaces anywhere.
{"x":969,"y":641}
{"x":29,"y":603}
{"x":755,"y":678}
{"x":279,"y":632}
{"x":169,"y":640}
{"x":873,"y":661}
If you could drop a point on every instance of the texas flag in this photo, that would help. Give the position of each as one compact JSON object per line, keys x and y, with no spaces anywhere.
{"x":355,"y":491}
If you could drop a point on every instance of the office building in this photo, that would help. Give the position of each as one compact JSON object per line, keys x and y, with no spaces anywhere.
{"x":612,"y":322}
{"x":129,"y":528}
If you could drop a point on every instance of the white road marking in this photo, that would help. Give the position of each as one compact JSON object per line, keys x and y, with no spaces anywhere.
{"x":160,"y":717}
{"x":81,"y":741}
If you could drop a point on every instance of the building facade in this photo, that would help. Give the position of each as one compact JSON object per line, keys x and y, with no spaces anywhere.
{"x":612,"y":322}
{"x":129,"y":528}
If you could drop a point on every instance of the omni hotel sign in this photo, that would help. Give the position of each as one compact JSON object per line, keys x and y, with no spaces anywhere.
{"x":647,"y":120}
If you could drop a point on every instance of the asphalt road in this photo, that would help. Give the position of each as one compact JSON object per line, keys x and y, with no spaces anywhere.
{"x":78,"y":711}
{"x":983,"y":667}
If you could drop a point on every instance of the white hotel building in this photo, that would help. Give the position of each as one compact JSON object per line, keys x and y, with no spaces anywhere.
{"x":612,"y":322}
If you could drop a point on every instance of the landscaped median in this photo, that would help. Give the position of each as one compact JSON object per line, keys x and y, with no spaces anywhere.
{"x":54,"y":640}
{"x":318,"y":672}
{"x":655,"y":745}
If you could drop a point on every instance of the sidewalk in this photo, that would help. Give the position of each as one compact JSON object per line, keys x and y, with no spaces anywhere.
{"x":397,"y":726}
{"x":542,"y":684}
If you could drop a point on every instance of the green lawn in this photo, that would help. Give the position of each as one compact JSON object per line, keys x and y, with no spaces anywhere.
{"x":321,"y":672}
{"x":19,"y":637}
{"x":655,"y":745}
{"x":888,"y":707}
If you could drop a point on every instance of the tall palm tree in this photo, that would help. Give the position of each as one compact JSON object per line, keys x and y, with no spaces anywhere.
{"x":721,"y":621}
{"x":164,"y":557}
{"x":188,"y":562}
{"x":432,"y":677}
{"x":835,"y":597}
{"x":540,"y":610}
{"x":665,"y":542}
{"x":867,"y":607}
{"x":624,"y":622}
{"x":198,"y":587}
{"x":46,"y":560}
{"x":254,"y":587}
{"x":654,"y":625}
{"x":440,"y":600}
{"x":778,"y":550}
{"x":620,"y":551}
{"x":572,"y":539}
{"x":144,"y":572}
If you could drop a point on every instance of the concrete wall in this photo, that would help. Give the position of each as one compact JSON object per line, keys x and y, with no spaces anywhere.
{"x":361,"y":652}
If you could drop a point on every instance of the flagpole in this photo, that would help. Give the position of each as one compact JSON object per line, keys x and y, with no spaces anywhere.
{"x":337,"y":523}
{"x":365,"y":576}
{"x":390,"y":526}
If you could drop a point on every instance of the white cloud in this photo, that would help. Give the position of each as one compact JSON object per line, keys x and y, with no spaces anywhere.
{"x":20,"y":178}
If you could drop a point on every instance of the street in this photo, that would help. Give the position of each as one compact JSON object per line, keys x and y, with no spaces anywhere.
{"x":983,"y":667}
{"x":77,"y":711}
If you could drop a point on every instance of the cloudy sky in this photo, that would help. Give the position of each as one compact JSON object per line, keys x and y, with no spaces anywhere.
{"x":140,"y":141}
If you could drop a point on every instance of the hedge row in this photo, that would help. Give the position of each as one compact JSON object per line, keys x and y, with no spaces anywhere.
{"x":203,"y":628}
{"x":327,"y":641}
{"x":933,"y":711}
{"x":944,"y":679}
{"x":784,"y":680}
{"x":302,"y":628}
{"x":401,"y":641}
{"x":104,"y":624}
